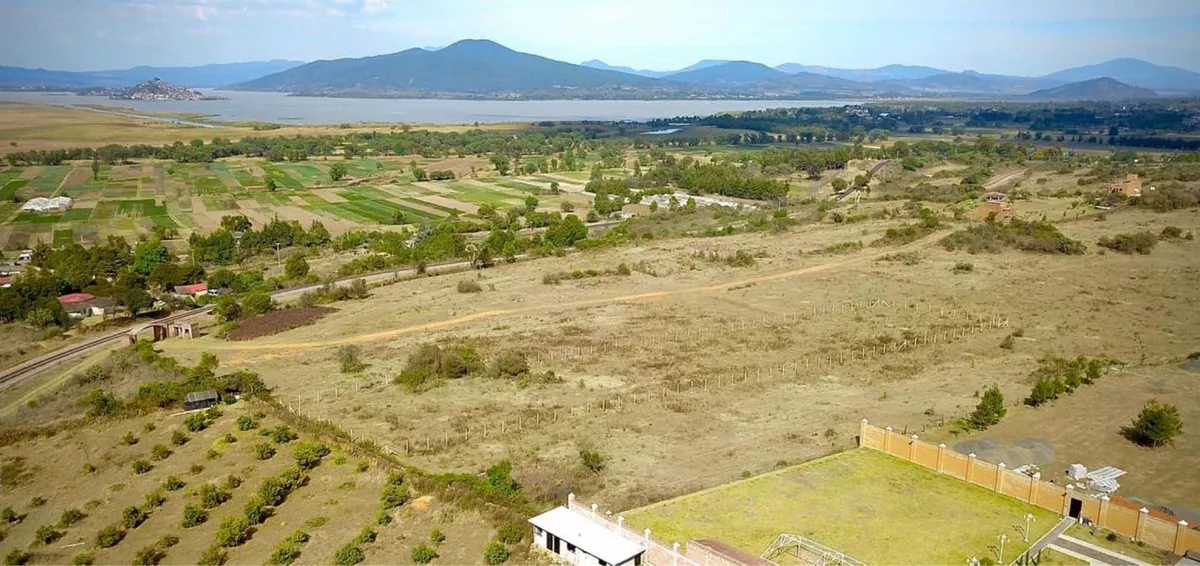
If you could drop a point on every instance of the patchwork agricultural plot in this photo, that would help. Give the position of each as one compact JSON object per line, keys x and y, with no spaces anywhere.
{"x":137,"y":199}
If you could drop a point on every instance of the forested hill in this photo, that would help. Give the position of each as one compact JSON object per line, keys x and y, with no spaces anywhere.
{"x":1104,"y":89}
{"x":477,"y":67}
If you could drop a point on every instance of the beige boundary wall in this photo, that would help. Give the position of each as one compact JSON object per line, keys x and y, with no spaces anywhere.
{"x":1138,"y":525}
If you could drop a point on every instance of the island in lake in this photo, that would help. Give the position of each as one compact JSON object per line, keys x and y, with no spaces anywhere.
{"x":155,"y":89}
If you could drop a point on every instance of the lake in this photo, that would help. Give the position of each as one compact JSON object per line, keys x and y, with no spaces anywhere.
{"x":276,"y":107}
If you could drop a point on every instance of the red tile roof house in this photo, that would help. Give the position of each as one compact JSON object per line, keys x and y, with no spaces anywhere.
{"x":193,"y":291}
{"x":83,"y":305}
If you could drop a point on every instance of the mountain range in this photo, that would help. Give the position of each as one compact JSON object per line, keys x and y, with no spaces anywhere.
{"x":204,"y":76}
{"x":476,"y":68}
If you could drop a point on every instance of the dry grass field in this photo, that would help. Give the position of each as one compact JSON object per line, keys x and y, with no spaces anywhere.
{"x":688,"y":373}
{"x":36,"y":126}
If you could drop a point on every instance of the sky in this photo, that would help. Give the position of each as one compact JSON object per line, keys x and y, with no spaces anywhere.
{"x":1021,"y":37}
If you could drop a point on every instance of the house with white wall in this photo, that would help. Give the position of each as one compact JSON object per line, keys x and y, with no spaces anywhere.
{"x":574,"y":539}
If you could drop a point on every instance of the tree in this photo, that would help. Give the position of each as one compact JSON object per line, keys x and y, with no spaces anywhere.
{"x":136,"y":300}
{"x":1157,"y":425}
{"x":337,"y":171}
{"x":418,"y":174}
{"x":554,"y":188}
{"x":531,"y":203}
{"x":990,"y":409}
{"x":149,"y":255}
{"x":839,"y":185}
{"x":398,"y":217}
{"x":296,"y":266}
{"x":255,"y":304}
{"x":566,"y":232}
{"x":269,"y":183}
{"x":501,"y":164}
{"x":95,"y":168}
{"x":653,"y":206}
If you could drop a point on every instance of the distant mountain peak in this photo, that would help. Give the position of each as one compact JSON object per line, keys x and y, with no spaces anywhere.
{"x":1102,"y":88}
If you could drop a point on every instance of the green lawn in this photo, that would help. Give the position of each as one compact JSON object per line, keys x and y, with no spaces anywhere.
{"x":873,"y":507}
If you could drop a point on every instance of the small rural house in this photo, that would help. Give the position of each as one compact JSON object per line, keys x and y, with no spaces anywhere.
{"x":44,"y":205}
{"x":1130,"y":187}
{"x":200,"y":399}
{"x":83,"y":305}
{"x":575,"y":539}
{"x":194,"y":291}
{"x":995,"y":196}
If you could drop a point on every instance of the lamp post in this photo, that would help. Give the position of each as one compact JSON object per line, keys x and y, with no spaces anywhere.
{"x":1029,"y":519}
{"x":1003,"y":538}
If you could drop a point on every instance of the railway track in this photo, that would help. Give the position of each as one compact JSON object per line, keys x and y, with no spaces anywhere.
{"x":32,"y":367}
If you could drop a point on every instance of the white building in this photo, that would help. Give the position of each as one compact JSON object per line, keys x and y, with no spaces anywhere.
{"x":575,"y":539}
{"x":42,"y":204}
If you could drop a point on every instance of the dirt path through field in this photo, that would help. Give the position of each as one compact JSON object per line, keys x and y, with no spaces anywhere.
{"x":1004,"y":179}
{"x":286,"y":348}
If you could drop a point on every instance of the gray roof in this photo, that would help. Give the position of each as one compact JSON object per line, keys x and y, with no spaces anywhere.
{"x":207,"y":395}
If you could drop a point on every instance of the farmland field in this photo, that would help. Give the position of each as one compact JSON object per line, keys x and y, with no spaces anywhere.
{"x":874,"y":507}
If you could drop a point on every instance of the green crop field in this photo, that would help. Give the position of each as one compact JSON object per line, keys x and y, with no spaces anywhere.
{"x":48,"y":180}
{"x":10,"y":188}
{"x":63,"y":237}
{"x":479,"y":195}
{"x":77,"y":215}
{"x":37,"y":218}
{"x":209,"y":185}
{"x":514,"y":184}
{"x":873,"y":507}
{"x":282,"y":179}
{"x":246,"y":179}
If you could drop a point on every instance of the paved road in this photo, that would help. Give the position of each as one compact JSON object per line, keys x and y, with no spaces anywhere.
{"x":1093,"y":553}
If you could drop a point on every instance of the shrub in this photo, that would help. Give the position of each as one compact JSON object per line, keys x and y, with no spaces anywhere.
{"x":212,"y":496}
{"x":16,"y":557}
{"x":280,"y":434}
{"x":990,"y":409}
{"x":591,"y":459}
{"x":178,"y":438}
{"x":193,"y":516}
{"x":1141,"y":243}
{"x":70,"y":517}
{"x":963,"y":267}
{"x":141,"y":466}
{"x":468,"y":286}
{"x":212,"y":556}
{"x":257,"y":511}
{"x":1008,"y":342}
{"x":1170,"y":233}
{"x":196,"y":422}
{"x":173,"y":483}
{"x":422,"y":554}
{"x":246,"y":422}
{"x":155,"y":499}
{"x":160,"y":452}
{"x":47,"y":534}
{"x":264,"y":451}
{"x":149,"y":555}
{"x":383,"y":519}
{"x":129,"y":439}
{"x":308,"y":454}
{"x":1157,"y":425}
{"x":233,"y":532}
{"x":132,"y":517}
{"x":10,"y":516}
{"x":275,"y":490}
{"x":366,"y":536}
{"x":1033,"y":236}
{"x":349,"y":357}
{"x":436,"y":536}
{"x":37,"y":501}
{"x":110,"y":536}
{"x":100,"y":404}
{"x":510,"y":365}
{"x":510,"y":533}
{"x":83,"y":559}
{"x":1045,"y":389}
{"x":495,"y":553}
{"x":348,"y":555}
{"x":232,"y":482}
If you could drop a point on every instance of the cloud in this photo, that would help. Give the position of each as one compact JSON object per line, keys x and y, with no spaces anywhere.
{"x":374,"y":6}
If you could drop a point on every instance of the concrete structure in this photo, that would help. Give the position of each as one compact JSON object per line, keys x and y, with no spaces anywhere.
{"x":1131,"y":186}
{"x":200,"y":399}
{"x":571,"y":538}
{"x":185,"y":330}
{"x":43,"y":205}
{"x":157,"y":332}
